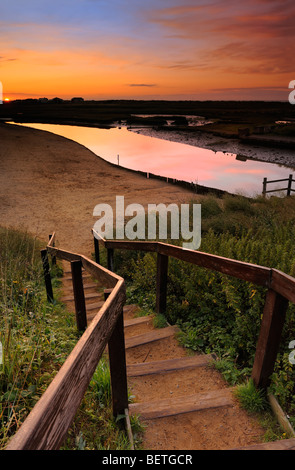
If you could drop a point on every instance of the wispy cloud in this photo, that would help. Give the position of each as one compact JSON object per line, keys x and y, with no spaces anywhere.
{"x":141,"y":85}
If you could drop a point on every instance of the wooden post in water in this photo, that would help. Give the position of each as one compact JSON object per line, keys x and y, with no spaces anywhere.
{"x":79,"y":297}
{"x":264,"y":187}
{"x":47,"y":277}
{"x":162,"y":274}
{"x":117,"y":358}
{"x":269,"y":338}
{"x":289,"y":185}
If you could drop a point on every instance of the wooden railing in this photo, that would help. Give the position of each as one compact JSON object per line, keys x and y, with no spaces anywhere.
{"x":47,"y":425}
{"x":288,"y":188}
{"x":280,"y":290}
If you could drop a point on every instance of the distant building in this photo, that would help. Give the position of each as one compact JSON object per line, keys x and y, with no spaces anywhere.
{"x":77,"y":100}
{"x":57,"y":100}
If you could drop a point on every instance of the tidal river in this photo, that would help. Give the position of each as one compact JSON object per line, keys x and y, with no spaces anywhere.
{"x":175,"y":160}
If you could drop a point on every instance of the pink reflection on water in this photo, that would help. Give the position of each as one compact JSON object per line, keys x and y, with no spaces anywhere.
{"x":175,"y":160}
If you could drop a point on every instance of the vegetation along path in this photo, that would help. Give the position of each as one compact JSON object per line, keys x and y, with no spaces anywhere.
{"x":182,"y":400}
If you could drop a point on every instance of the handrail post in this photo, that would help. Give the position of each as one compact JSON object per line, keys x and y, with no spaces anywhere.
{"x":96,"y":250}
{"x":110,"y":259}
{"x":47,"y":277}
{"x":162,"y":274}
{"x":117,"y":358}
{"x":53,"y":258}
{"x":269,"y":338}
{"x":79,"y":297}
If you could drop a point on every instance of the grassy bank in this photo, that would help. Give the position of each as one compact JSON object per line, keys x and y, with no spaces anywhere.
{"x":219,"y":314}
{"x":36,"y":337}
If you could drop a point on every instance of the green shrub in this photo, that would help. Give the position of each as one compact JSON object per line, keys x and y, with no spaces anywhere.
{"x":210,"y":207}
{"x":219,"y":313}
{"x":238,"y":204}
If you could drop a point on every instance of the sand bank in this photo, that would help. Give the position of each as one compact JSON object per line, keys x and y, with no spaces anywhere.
{"x":49,"y":183}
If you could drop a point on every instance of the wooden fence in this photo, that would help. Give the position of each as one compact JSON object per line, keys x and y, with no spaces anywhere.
{"x":47,"y":425}
{"x":288,"y":188}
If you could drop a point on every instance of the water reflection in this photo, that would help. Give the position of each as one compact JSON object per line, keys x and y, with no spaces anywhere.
{"x":226,"y":171}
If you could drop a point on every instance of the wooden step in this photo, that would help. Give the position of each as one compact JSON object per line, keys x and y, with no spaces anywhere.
{"x":70,"y":298}
{"x":90,"y":285}
{"x":185,"y":404}
{"x":69,"y":278}
{"x":150,"y":337}
{"x":169,"y":365}
{"x":86,"y":287}
{"x":284,"y":444}
{"x":69,"y":271}
{"x":94,"y":306}
{"x":138,"y":321}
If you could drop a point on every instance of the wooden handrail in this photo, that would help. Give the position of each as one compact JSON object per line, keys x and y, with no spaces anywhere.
{"x":259,"y":275}
{"x":47,"y":425}
{"x":281,"y":290}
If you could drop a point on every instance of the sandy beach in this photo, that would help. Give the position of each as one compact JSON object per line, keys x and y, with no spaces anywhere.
{"x":49,"y":183}
{"x":220,"y":144}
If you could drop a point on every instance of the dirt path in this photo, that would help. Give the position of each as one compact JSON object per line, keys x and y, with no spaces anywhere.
{"x":182,"y":400}
{"x":49,"y":183}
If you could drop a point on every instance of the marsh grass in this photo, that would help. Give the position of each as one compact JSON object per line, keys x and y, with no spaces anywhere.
{"x":36,"y":338}
{"x":95,"y":427}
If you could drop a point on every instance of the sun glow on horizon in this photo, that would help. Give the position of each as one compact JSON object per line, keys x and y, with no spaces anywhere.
{"x":138,"y":50}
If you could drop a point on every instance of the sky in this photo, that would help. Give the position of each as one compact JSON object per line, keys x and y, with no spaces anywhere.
{"x":147,"y":49}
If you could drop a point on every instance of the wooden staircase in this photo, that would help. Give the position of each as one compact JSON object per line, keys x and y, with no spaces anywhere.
{"x":182,"y":399}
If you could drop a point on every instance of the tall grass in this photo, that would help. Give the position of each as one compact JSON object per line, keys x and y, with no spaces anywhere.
{"x":36,"y":339}
{"x":36,"y":336}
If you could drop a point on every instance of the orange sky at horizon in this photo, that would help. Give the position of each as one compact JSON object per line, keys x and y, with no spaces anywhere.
{"x":163,"y":50}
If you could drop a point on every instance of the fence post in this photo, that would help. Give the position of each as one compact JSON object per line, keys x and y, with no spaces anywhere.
{"x":47,"y":277}
{"x":289,"y":185}
{"x":79,"y":297}
{"x":110,"y":259}
{"x":269,"y":338}
{"x":162,"y":274}
{"x":96,"y":250}
{"x":117,"y":358}
{"x":264,"y":186}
